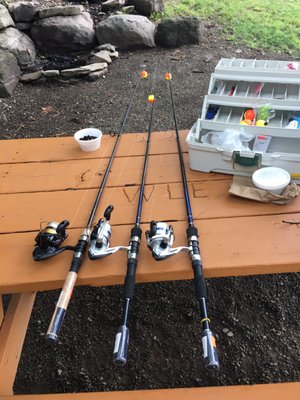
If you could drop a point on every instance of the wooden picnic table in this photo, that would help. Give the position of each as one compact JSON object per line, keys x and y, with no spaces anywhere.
{"x":50,"y":179}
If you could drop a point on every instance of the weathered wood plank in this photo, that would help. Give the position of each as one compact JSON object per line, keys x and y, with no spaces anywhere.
{"x":82,"y":174}
{"x":232,"y":247}
{"x":65,"y":148}
{"x":210,"y":199}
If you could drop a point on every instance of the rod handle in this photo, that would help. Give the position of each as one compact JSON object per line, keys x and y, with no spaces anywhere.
{"x":121,"y":346}
{"x":61,"y":308}
{"x":210,"y":355}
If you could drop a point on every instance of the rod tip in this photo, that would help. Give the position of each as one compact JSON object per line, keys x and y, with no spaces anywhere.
{"x":144,"y":74}
{"x":168,"y":76}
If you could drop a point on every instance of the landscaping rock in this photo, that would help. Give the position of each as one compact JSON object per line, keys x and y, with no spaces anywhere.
{"x":23,"y":12}
{"x":5,"y":18}
{"x":179,"y":31}
{"x":59,"y":35}
{"x":114,"y":54}
{"x":84,"y":70}
{"x":32,"y":76}
{"x":101,"y":56}
{"x":112,"y":4}
{"x":128,"y":9}
{"x":23,"y":26}
{"x":60,"y":11}
{"x":51,"y":73}
{"x":93,"y":76}
{"x":9,"y":73}
{"x":19,"y":44}
{"x":106,"y":46}
{"x":147,"y":7}
{"x":127,"y":32}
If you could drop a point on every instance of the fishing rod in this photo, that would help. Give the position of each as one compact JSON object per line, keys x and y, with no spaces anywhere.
{"x":122,"y":337}
{"x":160,"y":239}
{"x":49,"y":239}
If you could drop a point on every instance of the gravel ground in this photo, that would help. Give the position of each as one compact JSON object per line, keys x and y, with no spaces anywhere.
{"x":255,"y":318}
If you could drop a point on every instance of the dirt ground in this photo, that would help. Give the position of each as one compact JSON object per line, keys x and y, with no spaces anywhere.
{"x":255,"y":318}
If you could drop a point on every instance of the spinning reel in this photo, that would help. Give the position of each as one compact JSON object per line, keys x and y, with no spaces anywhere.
{"x":49,"y":239}
{"x":160,"y":240}
{"x":100,"y":238}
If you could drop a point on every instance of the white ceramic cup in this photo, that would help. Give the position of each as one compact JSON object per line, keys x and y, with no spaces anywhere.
{"x":88,"y":145}
{"x":272,"y":179}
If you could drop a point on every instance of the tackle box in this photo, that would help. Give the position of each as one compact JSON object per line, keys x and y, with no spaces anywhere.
{"x":235,"y":86}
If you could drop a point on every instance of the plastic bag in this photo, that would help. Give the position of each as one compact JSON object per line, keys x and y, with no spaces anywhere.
{"x":230,"y":139}
{"x":294,"y":121}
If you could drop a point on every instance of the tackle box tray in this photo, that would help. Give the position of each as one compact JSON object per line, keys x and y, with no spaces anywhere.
{"x":237,"y":85}
{"x":282,"y":152}
{"x":259,"y":69}
{"x":254,"y":91}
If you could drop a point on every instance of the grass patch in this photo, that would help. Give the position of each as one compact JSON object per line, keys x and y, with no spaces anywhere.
{"x":268,"y":24}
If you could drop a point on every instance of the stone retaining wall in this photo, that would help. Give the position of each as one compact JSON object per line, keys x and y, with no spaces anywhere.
{"x":63,"y":42}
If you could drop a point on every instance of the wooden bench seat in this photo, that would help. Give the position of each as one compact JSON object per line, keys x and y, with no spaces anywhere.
{"x":51,"y":179}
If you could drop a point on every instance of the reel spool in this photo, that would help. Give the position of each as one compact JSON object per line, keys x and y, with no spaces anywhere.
{"x":160,"y":240}
{"x":49,"y":239}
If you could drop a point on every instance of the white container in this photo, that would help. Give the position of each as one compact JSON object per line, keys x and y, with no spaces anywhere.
{"x":272,"y":179}
{"x":88,"y":145}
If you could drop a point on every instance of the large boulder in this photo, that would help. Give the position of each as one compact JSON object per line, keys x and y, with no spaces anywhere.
{"x":147,"y":7}
{"x":23,"y":11}
{"x":127,"y":32}
{"x":57,"y":35}
{"x":5,"y":18}
{"x":9,"y":73}
{"x":179,"y":31}
{"x":19,"y":44}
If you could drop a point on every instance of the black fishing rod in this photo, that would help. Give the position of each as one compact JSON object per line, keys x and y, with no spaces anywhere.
{"x":160,"y":239}
{"x":122,"y":337}
{"x":49,"y":239}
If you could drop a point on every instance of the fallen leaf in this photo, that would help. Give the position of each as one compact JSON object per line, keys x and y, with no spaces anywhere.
{"x":47,"y":109}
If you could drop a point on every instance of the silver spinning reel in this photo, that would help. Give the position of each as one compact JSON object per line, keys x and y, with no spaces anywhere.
{"x":100,"y":238}
{"x":160,"y":240}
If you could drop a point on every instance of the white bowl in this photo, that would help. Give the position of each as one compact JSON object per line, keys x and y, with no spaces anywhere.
{"x":91,"y":144}
{"x":272,"y":179}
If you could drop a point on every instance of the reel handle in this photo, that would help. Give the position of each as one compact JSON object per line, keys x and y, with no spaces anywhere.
{"x":61,"y":228}
{"x":153,"y":229}
{"x":108,"y":211}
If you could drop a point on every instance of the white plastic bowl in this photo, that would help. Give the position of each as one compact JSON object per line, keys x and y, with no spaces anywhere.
{"x":272,"y":179}
{"x":88,"y":145}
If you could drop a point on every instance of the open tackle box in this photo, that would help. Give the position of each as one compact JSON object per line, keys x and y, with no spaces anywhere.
{"x":238,"y":85}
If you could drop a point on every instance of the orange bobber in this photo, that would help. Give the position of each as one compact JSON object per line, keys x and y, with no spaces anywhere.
{"x":151,"y":98}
